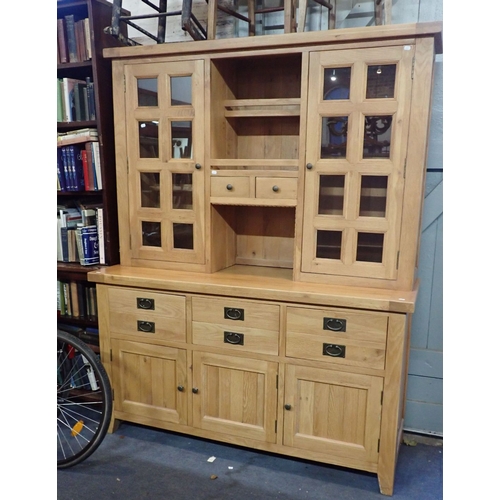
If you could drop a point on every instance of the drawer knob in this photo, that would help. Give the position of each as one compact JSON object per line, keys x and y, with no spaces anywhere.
{"x":288,"y":407}
{"x":197,"y":166}
{"x":234,"y":313}
{"x":276,"y":189}
{"x":309,"y":166}
{"x":195,"y":390}
{"x":144,"y":303}
{"x":146,"y":326}
{"x":333,"y":350}
{"x":229,"y":187}
{"x":234,"y":338}
{"x":334,"y":324}
{"x":180,"y":388}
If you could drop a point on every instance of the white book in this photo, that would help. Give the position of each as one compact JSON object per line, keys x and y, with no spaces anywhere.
{"x":97,"y":160}
{"x":100,"y":233}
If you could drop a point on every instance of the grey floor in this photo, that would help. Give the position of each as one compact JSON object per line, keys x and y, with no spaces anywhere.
{"x":138,"y":462}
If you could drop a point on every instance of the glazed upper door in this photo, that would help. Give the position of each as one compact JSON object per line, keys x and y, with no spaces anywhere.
{"x":164,"y":114}
{"x":358,"y":120}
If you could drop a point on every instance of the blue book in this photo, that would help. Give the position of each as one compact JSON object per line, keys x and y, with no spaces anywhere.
{"x":90,"y":244}
{"x":60,"y":170}
{"x":75,"y":156}
{"x":67,"y":169}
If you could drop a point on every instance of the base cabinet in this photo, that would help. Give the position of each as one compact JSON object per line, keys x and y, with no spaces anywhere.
{"x":299,"y":379}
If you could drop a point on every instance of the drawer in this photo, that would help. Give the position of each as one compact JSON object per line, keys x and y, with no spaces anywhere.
{"x":276,"y":188}
{"x":236,"y":324}
{"x":146,"y":314}
{"x":337,"y":336}
{"x":239,"y":338}
{"x":235,"y":313}
{"x":230,"y":187}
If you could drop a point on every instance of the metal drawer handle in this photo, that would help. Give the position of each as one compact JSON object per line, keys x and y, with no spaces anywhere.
{"x":146,"y":326}
{"x":143,"y":303}
{"x":276,"y":189}
{"x":333,"y":350}
{"x":229,"y":187}
{"x":234,"y":338}
{"x":234,"y":313}
{"x":334,"y":324}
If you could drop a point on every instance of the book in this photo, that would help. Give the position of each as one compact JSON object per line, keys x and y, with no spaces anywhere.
{"x":88,"y":38}
{"x":61,"y":41}
{"x":60,"y":109}
{"x":91,"y":98}
{"x":60,"y":171}
{"x":91,"y":167}
{"x":96,"y":159}
{"x":75,"y":158}
{"x":90,"y":241}
{"x":100,"y":233}
{"x":71,"y":37}
{"x":69,"y":97}
{"x":86,"y":170}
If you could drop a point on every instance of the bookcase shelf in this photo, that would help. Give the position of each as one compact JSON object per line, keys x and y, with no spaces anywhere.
{"x":98,"y":70}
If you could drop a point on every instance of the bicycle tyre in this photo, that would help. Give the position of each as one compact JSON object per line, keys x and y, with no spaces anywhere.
{"x":84,"y":400}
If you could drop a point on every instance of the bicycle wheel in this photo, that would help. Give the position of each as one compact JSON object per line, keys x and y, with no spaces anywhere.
{"x":84,"y":400}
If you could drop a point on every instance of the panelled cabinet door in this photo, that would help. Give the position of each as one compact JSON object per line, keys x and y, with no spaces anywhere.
{"x":164,"y":113}
{"x":333,"y":412}
{"x":358,"y":119}
{"x":150,"y":381}
{"x":235,"y":396}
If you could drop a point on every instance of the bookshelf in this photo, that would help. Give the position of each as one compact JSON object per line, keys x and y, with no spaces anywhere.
{"x":87,"y":65}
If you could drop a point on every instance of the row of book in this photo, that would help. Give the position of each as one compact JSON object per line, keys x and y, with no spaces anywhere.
{"x":79,"y":167}
{"x":75,"y":371}
{"x":80,"y":234}
{"x":75,"y":100}
{"x":76,"y":300}
{"x":73,"y":40}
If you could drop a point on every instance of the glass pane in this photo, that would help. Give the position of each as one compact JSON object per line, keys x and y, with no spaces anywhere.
{"x":182,"y":191}
{"x":331,"y":194}
{"x":336,"y":83}
{"x":183,"y":236}
{"x":373,"y":198}
{"x":148,"y":139}
{"x":377,"y":143}
{"x":180,"y":89}
{"x":151,"y":234}
{"x":370,"y":247}
{"x":147,"y":91}
{"x":182,"y":143}
{"x":334,"y":136}
{"x":380,"y":81}
{"x":150,"y":189}
{"x":328,"y":244}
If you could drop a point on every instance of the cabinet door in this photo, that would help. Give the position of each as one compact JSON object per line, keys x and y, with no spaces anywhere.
{"x":235,"y":396}
{"x":165,"y":136}
{"x":149,"y":381}
{"x":333,"y":412}
{"x":358,"y":120}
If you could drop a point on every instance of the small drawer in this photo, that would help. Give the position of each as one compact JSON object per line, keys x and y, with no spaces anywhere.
{"x":146,"y":314}
{"x":239,"y":338}
{"x":276,"y":188}
{"x":236,"y":313}
{"x":337,"y":336}
{"x":230,"y":187}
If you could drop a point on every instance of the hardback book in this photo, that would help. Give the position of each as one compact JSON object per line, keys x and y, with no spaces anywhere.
{"x":88,"y":37}
{"x":61,"y":42}
{"x":91,"y":98}
{"x":100,"y":232}
{"x":71,"y":37}
{"x":96,"y":158}
{"x":69,"y":97}
{"x":90,"y":240}
{"x":60,"y":170}
{"x":91,"y":167}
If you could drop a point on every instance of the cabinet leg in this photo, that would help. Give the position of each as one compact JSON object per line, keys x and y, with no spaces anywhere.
{"x":386,"y":484}
{"x":114,"y":424}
